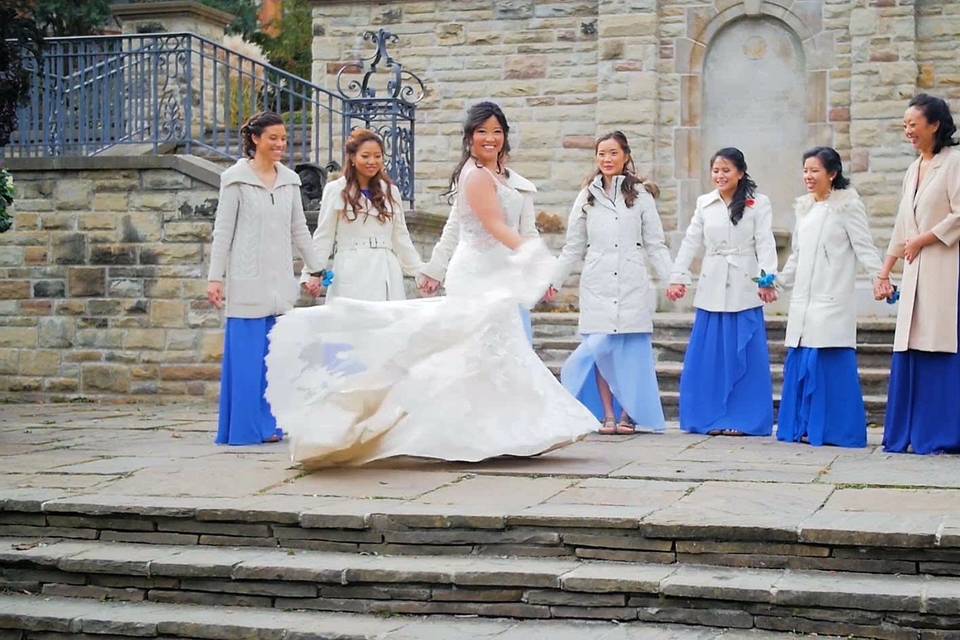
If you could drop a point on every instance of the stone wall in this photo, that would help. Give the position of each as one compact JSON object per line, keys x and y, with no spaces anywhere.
{"x":103,"y":280}
{"x":103,"y":289}
{"x":567,"y":70}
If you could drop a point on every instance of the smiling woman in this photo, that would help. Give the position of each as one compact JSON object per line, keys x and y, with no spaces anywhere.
{"x":258,"y":214}
{"x":361,"y":221}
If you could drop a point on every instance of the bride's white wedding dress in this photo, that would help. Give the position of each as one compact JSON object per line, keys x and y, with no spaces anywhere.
{"x":452,"y":378}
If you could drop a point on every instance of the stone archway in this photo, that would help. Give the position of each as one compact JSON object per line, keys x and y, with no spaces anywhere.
{"x":754,"y":98}
{"x":789,"y":35}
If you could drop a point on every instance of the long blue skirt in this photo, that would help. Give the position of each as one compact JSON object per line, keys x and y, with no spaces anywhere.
{"x":626,"y":362}
{"x":822,"y":399}
{"x":245,"y":416}
{"x":726,"y":381}
{"x":923,"y":403}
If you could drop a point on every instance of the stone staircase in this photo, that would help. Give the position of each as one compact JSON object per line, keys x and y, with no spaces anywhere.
{"x":113,"y":567}
{"x":555,"y":337}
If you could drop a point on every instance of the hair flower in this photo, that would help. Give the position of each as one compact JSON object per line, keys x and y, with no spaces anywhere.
{"x":766,"y":280}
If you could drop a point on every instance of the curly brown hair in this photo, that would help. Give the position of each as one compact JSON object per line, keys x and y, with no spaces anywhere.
{"x":630,"y":178}
{"x":381,"y":199}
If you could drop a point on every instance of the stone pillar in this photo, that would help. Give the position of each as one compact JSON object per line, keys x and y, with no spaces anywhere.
{"x":189,"y":16}
{"x":883,"y":79}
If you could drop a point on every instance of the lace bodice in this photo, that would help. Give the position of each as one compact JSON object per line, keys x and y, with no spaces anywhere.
{"x":478,"y":252}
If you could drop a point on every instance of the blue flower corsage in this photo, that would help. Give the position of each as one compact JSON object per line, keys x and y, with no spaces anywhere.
{"x":327,"y":277}
{"x":767,"y":280}
{"x":895,"y":296}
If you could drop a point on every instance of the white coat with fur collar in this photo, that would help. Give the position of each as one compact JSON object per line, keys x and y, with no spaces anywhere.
{"x":828,"y":242}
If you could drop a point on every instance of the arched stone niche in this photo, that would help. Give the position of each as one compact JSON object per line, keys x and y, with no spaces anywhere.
{"x":754,"y":76}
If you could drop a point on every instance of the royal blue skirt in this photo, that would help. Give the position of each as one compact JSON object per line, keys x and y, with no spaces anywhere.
{"x":245,"y":416}
{"x":822,"y":399}
{"x":626,"y":362}
{"x":726,"y":381}
{"x":923,"y":403}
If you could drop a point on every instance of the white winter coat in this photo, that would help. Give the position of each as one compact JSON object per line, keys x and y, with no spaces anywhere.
{"x":369,"y":256}
{"x":252,"y":237}
{"x":828,"y":241}
{"x":616,"y":242}
{"x":733,"y":254}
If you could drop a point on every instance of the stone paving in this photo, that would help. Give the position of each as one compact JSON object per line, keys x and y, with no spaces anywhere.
{"x":142,"y":451}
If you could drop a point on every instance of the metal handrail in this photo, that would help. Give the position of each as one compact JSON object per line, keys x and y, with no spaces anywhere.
{"x":161,"y":90}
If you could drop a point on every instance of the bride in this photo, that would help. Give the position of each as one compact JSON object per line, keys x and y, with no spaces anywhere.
{"x":452,"y":378}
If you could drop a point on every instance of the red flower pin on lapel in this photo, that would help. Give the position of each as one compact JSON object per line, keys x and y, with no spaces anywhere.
{"x":751,"y":202}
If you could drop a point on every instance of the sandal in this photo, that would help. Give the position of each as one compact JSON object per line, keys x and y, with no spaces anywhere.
{"x":609,"y":427}
{"x":626,"y":426}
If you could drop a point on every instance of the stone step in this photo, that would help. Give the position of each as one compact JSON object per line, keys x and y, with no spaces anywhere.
{"x":870,"y":355}
{"x":32,"y":617}
{"x":843,"y":603}
{"x":808,"y":539}
{"x":874,"y":382}
{"x":678,"y":325}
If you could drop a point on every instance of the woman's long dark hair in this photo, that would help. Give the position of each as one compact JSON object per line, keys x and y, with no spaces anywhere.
{"x":476,"y":116}
{"x":630,"y":178}
{"x":382,"y":202}
{"x":937,"y":110}
{"x":254,"y":126}
{"x":746,"y":188}
{"x":831,"y":162}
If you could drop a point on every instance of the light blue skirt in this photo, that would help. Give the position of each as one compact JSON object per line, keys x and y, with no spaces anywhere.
{"x":245,"y":416}
{"x":822,"y":398}
{"x":726,"y":381}
{"x":626,"y":362}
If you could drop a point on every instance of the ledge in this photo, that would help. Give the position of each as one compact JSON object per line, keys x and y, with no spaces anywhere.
{"x":197,"y":168}
{"x":171,"y":8}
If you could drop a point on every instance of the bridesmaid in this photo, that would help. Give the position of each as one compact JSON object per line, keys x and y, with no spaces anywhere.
{"x":725,"y":387}
{"x":822,"y":402}
{"x":614,"y":224}
{"x":362,"y":216}
{"x":258,"y":215}
{"x":923,"y":407}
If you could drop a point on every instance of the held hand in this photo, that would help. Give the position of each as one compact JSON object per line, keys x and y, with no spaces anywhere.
{"x":429,"y":286}
{"x":768,"y":295}
{"x":882,"y":289}
{"x":550,"y":295}
{"x":676,"y":292}
{"x":314,"y":286}
{"x":215,"y":294}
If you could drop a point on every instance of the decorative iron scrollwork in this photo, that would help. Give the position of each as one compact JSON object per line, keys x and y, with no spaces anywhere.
{"x":402,"y":84}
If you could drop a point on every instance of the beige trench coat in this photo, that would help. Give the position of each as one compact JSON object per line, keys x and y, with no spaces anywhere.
{"x":927,"y":314}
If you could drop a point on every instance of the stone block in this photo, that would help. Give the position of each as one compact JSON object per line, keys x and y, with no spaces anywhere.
{"x":514,"y":9}
{"x":73,"y":194}
{"x":113,"y":254}
{"x":25,"y":337}
{"x":141,"y":227}
{"x":34,"y":255}
{"x":183,"y":231}
{"x":69,"y":248}
{"x":211,"y":346}
{"x":86,"y":282}
{"x":58,"y":220}
{"x":11,"y":256}
{"x":104,"y":307}
{"x":39,"y":363}
{"x":9,"y":361}
{"x":144,"y":339}
{"x":61,"y":385}
{"x":185,"y":253}
{"x":190,"y":372}
{"x":14,"y":289}
{"x":105,"y":377}
{"x":167,"y":313}
{"x":525,"y":67}
{"x":450,"y":34}
{"x":56,"y":332}
{"x":161,"y":179}
{"x":124,"y":288}
{"x":110,"y":202}
{"x":49,"y":289}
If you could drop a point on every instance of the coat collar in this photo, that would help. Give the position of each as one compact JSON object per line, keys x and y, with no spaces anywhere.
{"x":520,"y":183}
{"x":837,"y":199}
{"x":596,"y":186}
{"x":935,"y":163}
{"x":711,"y":197}
{"x":242,"y":173}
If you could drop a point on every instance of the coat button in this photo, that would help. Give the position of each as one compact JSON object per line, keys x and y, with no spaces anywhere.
{"x":614,"y":273}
